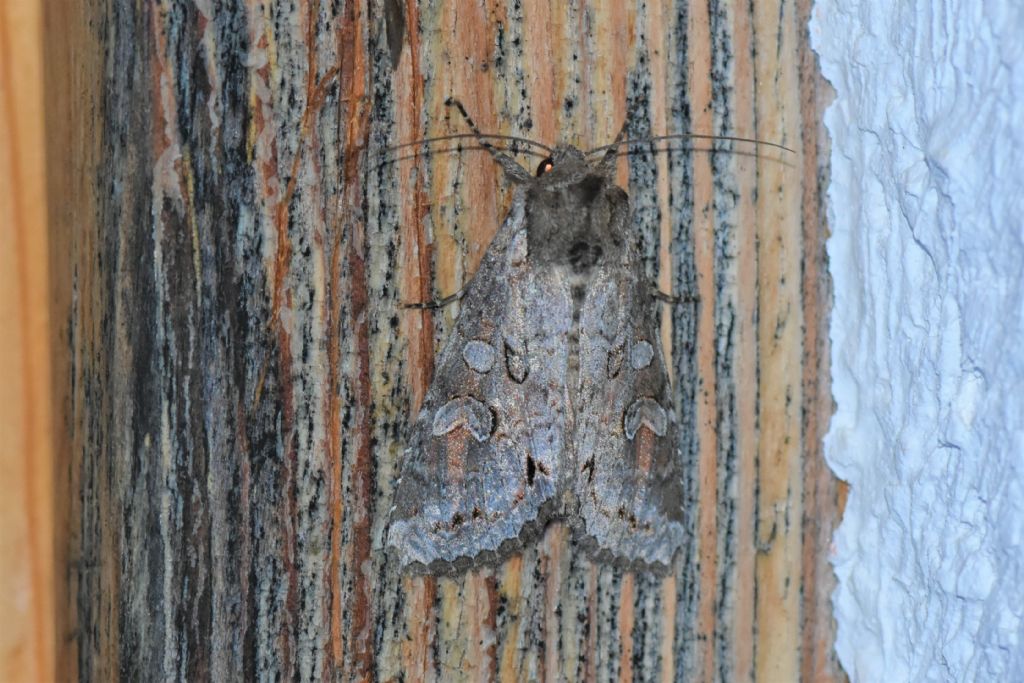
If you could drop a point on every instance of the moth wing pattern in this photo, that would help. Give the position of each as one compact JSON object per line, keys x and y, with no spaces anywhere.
{"x":481,"y":473}
{"x":629,"y":473}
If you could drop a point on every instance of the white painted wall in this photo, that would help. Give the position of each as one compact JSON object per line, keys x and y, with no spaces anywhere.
{"x":927,"y":260}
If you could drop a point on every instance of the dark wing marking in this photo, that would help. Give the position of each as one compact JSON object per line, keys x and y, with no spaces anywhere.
{"x":629,"y":477}
{"x":483,"y":464}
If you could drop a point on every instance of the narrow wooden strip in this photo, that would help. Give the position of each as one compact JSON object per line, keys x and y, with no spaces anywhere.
{"x":417,"y":651}
{"x":508,"y":621}
{"x":554,"y":550}
{"x":626,"y":622}
{"x":73,"y":75}
{"x":823,"y":493}
{"x":733,"y":316}
{"x":28,"y":637}
{"x":743,"y":171}
{"x":575,"y":616}
{"x":780,"y":492}
{"x":669,"y":601}
{"x":648,"y":633}
{"x":699,"y":84}
{"x":609,"y":639}
{"x":686,"y":648}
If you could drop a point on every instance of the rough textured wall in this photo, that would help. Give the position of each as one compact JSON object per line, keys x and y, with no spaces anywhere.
{"x":240,"y":372}
{"x":927,"y":257}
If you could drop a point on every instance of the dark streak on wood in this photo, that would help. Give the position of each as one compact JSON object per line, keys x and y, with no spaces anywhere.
{"x":359,"y":506}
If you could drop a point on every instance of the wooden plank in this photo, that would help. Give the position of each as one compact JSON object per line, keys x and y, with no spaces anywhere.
{"x":780,"y":326}
{"x":824,"y":495}
{"x":242,"y":374}
{"x":79,"y":283}
{"x":27,"y":573}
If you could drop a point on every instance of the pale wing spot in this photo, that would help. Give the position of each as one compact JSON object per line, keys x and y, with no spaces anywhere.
{"x":645,"y":411}
{"x":467,"y":412}
{"x":641,"y":355}
{"x":479,"y":355}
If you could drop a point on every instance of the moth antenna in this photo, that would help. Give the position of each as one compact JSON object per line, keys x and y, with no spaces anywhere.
{"x":653,"y":150}
{"x":673,"y":299}
{"x":513,"y":170}
{"x":607,"y":165}
{"x":689,"y":136}
{"x":459,"y":148}
{"x":457,"y":136}
{"x":439,"y":303}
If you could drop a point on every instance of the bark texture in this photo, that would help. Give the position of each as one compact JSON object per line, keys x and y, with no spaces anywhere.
{"x":241,"y":375}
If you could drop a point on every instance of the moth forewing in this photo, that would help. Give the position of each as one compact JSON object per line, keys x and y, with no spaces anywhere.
{"x":630,"y":479}
{"x":480,"y":473}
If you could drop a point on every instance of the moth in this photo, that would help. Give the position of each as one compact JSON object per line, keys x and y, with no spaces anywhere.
{"x":550,"y":399}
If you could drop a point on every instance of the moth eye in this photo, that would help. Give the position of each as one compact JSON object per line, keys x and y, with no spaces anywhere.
{"x":545,"y":166}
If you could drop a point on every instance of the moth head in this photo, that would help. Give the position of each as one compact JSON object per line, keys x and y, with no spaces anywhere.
{"x":570,"y":163}
{"x":565,"y":162}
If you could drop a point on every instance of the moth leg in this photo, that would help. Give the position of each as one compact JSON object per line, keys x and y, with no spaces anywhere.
{"x":673,"y":299}
{"x":438,"y":303}
{"x":513,"y":170}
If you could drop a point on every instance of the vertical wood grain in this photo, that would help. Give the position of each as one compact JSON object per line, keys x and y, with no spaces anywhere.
{"x":27,"y":570}
{"x":74,"y":81}
{"x":780,"y":493}
{"x":241,"y":374}
{"x":824,"y":495}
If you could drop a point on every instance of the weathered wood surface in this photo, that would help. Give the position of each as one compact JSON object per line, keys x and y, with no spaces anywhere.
{"x":27,"y":626}
{"x":241,"y":374}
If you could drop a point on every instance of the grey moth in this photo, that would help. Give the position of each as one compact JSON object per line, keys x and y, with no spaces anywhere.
{"x":550,"y":399}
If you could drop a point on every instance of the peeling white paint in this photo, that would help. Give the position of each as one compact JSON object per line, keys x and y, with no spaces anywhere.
{"x":927,"y":261}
